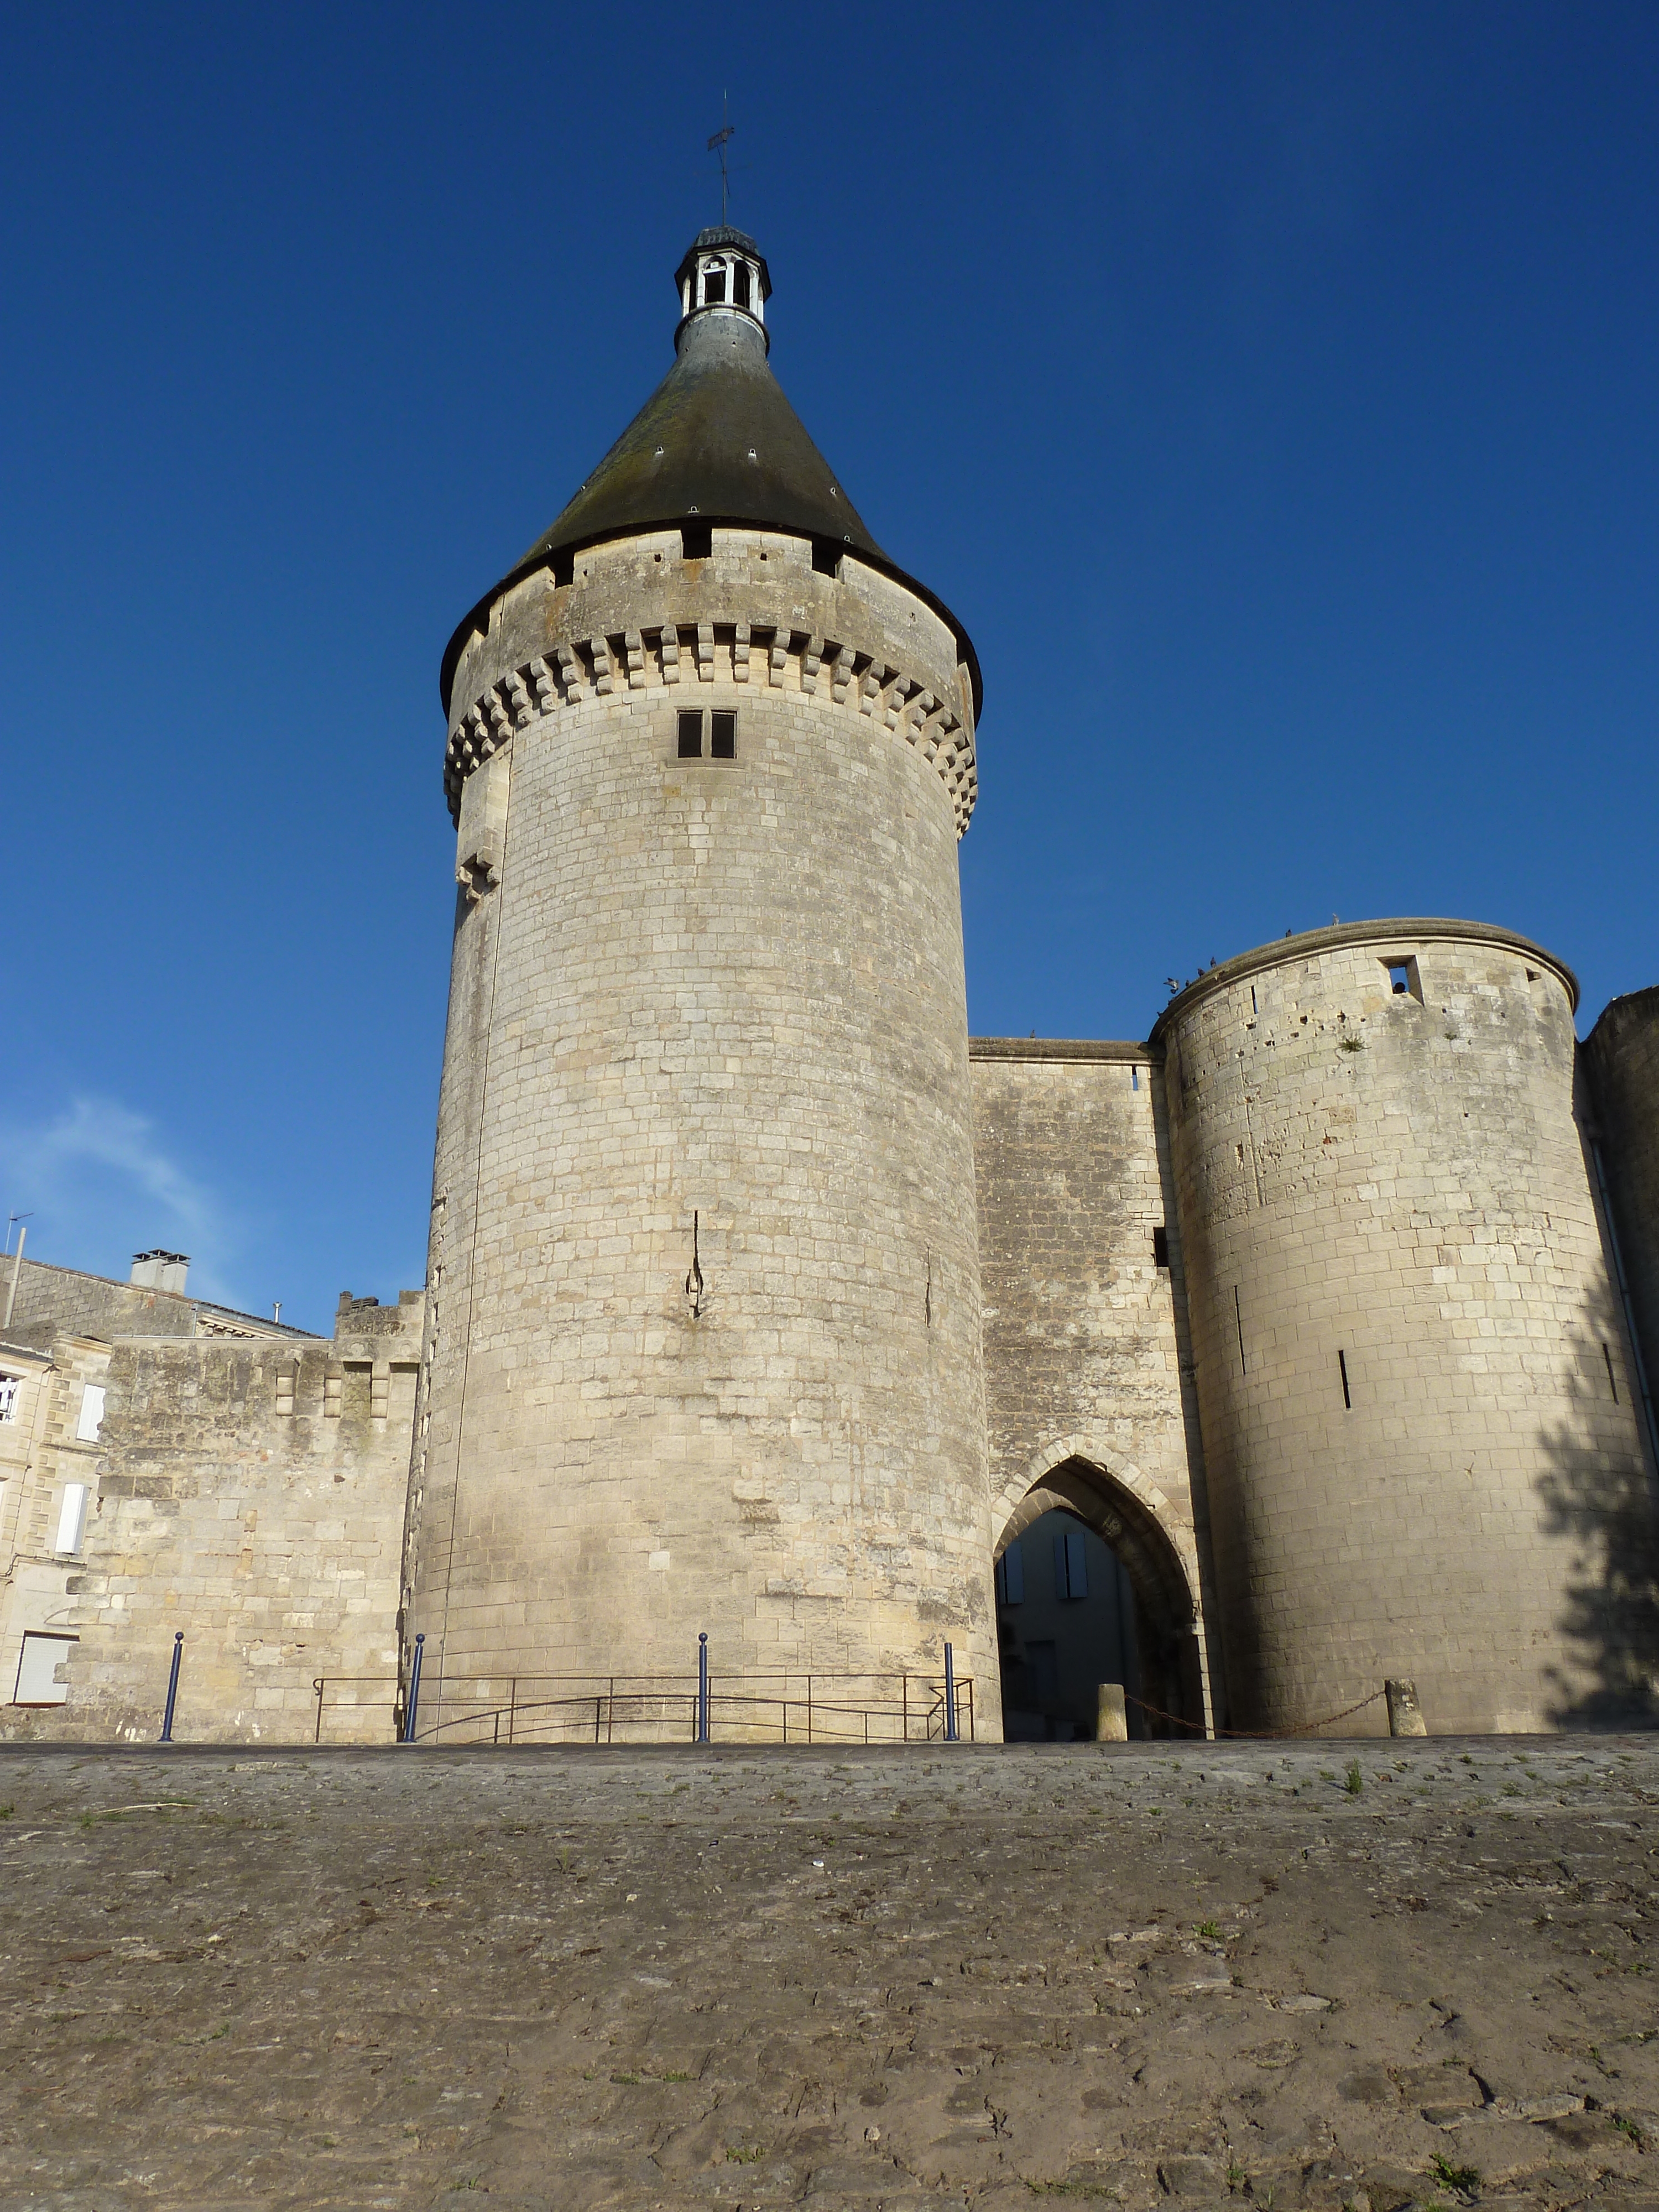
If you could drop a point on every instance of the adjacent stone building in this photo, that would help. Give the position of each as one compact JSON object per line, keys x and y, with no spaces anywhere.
{"x":763,"y":1305}
{"x":168,"y":1464}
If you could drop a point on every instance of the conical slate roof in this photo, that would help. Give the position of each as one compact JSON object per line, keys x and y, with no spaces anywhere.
{"x":716,"y":440}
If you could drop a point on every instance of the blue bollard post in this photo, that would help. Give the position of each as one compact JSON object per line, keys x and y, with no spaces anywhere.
{"x":412,"y":1709}
{"x":173,"y":1684}
{"x":702,"y":1687}
{"x":950,"y":1735}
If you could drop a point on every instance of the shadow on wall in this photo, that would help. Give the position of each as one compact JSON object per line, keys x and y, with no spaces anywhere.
{"x":1602,"y":1503}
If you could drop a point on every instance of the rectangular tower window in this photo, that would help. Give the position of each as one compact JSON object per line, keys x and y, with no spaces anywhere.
{"x":826,"y":557}
{"x":1160,"y":1246}
{"x":697,"y":540}
{"x":713,"y":287}
{"x":691,"y":735}
{"x":740,"y":284}
{"x":1011,"y":1575}
{"x":1070,"y":1565}
{"x":1404,"y":982}
{"x":722,"y":736}
{"x":10,"y":1386}
{"x":1612,"y":1381}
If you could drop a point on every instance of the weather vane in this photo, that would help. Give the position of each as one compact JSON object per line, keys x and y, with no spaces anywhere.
{"x":717,"y":145}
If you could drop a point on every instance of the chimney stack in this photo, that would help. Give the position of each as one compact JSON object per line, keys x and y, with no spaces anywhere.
{"x":161,"y":1271}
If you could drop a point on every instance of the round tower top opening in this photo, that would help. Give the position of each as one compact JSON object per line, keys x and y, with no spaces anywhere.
{"x":724,"y":273}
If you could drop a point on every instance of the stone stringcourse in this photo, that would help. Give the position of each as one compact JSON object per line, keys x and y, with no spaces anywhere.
{"x":647,"y":659}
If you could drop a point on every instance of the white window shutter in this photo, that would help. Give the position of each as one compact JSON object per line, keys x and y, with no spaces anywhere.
{"x":71,"y":1516}
{"x":92,"y":1413}
{"x":37,"y":1670}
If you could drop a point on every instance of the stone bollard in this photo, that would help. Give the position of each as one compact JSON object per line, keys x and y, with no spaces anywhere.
{"x":1113,"y":1726}
{"x":1405,"y":1714}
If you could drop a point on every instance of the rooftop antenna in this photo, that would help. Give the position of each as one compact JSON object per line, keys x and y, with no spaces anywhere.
{"x":717,"y":145}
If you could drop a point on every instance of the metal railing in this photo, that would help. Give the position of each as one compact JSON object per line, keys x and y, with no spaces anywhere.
{"x":389,"y":1696}
{"x":779,"y":1708}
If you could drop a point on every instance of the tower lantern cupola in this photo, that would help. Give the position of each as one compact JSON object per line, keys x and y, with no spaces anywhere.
{"x":724,"y":273}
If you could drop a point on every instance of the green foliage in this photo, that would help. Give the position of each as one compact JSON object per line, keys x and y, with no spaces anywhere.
{"x":1354,"y":1781}
{"x":1465,"y":2179}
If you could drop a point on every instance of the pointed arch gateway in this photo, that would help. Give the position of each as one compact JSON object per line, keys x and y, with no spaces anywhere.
{"x":1167,"y":1620}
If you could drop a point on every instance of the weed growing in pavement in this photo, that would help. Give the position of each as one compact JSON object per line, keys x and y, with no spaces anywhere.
{"x":1465,"y":2179}
{"x":1209,"y":1931}
{"x":1354,"y":1782}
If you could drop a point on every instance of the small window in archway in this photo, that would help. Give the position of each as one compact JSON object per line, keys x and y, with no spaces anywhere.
{"x":1011,"y":1575}
{"x":740,"y":285}
{"x":1160,"y":1246}
{"x":1071,"y":1564}
{"x":713,"y":287}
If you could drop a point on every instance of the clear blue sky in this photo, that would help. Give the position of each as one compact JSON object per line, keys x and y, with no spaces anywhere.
{"x":1270,"y":389}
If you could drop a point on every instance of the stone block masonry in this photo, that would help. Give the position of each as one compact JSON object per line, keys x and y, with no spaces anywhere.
{"x":245,"y":1490}
{"x":1415,"y":1385}
{"x":1088,"y":1372}
{"x":728,"y":990}
{"x":1621,"y":1058}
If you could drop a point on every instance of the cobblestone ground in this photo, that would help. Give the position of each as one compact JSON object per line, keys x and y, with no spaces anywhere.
{"x":1367,"y":1975}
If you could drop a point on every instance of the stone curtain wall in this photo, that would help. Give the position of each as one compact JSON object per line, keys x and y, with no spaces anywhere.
{"x":1395,"y":1184}
{"x":1622,"y":1056}
{"x":250,"y":1494}
{"x":733,"y":988}
{"x":1084,"y":1329}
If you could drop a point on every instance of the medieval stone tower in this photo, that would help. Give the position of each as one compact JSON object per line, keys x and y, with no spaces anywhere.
{"x":1419,"y":1396}
{"x":704,"y":1350}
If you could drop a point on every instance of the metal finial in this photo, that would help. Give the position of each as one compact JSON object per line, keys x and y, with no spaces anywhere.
{"x":717,"y":145}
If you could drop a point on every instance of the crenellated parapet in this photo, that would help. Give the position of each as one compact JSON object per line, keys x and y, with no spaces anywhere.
{"x":775,"y":656}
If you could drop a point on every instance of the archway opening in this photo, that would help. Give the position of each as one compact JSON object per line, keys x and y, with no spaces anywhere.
{"x":1091,"y":1590}
{"x":1065,"y":1622}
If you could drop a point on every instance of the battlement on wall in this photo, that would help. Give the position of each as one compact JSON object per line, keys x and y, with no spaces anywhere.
{"x":367,"y":1317}
{"x":649,"y":620}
